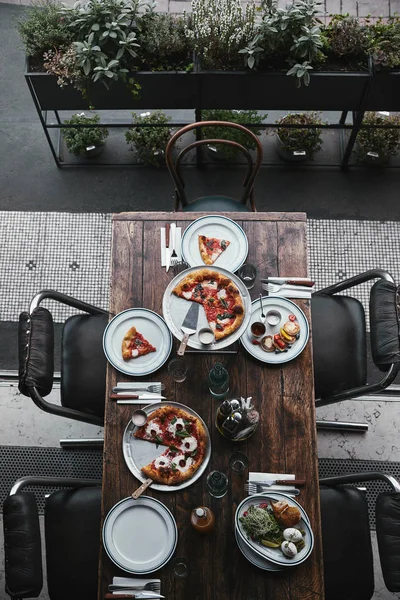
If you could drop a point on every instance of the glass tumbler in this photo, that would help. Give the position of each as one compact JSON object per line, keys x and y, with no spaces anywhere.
{"x":217,"y":484}
{"x":238,"y":462}
{"x":178,"y":369}
{"x":248,"y":274}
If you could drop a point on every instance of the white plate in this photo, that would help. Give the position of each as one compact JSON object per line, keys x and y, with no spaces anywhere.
{"x":175,"y":310}
{"x":138,"y":453}
{"x":274,"y":554}
{"x":257,"y":561}
{"x":219,"y":227}
{"x":285,"y":307}
{"x":140,"y":535}
{"x":151,"y":326}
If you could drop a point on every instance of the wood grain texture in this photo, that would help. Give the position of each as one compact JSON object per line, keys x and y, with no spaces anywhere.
{"x":284,"y":442}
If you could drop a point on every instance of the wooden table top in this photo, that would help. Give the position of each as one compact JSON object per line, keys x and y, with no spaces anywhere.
{"x":285,"y":441}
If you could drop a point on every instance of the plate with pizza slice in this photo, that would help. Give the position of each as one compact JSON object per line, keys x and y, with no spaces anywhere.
{"x":215,"y":240}
{"x":172,"y":448}
{"x":137,"y":341}
{"x":225,"y":305}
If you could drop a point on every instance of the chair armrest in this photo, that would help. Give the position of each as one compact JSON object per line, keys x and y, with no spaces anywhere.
{"x":72,"y":482}
{"x":388,"y":534}
{"x":22,"y":544}
{"x":363,"y":476}
{"x":64,"y":299}
{"x":353,"y":281}
{"x":36,"y":351}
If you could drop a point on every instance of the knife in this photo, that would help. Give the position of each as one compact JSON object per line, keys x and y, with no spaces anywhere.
{"x":143,"y":595}
{"x":168,"y":250}
{"x":283,"y":281}
{"x":269,"y":482}
{"x":127,"y":396}
{"x":189,"y":326}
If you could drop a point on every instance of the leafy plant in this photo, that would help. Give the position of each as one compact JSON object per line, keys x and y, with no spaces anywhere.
{"x":62,"y":62}
{"x":245,"y":117}
{"x":252,"y":53}
{"x":149,"y":142}
{"x":78,"y":140}
{"x":385,"y":142}
{"x":294,"y":139}
{"x":162,"y":40}
{"x":385,"y":42}
{"x":44,"y":27}
{"x":347,"y":36}
{"x":292,"y":35}
{"x":104,"y":36}
{"x":218,"y":29}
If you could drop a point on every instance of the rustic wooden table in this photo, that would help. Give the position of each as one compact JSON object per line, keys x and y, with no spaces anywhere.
{"x":285,"y":441}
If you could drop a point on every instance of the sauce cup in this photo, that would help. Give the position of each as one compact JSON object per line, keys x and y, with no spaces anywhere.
{"x":206,"y":336}
{"x":257,"y":329}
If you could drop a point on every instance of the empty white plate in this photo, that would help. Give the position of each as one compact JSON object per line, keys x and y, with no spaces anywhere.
{"x":140,"y":535}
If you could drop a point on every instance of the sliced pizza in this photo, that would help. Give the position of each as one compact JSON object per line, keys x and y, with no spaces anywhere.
{"x":186,"y":438}
{"x":134,"y":345}
{"x":211,"y":248}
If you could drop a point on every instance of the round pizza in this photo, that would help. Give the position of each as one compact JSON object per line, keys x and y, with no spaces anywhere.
{"x":186,"y":440}
{"x":218,"y":295}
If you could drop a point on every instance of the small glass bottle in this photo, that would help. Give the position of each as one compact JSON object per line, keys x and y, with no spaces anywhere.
{"x":202,"y":519}
{"x":218,"y":381}
{"x":223,"y":412}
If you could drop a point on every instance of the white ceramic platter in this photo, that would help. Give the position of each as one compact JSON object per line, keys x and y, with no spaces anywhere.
{"x":285,"y":307}
{"x":175,"y":310}
{"x":275,"y":555}
{"x":254,"y":558}
{"x":219,"y":227}
{"x":140,"y":535}
{"x":151,"y":326}
{"x":138,"y":453}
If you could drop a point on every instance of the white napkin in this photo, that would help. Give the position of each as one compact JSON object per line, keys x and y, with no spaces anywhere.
{"x":178,"y":238}
{"x":253,"y":476}
{"x":292,"y":294}
{"x":138,"y":385}
{"x":135,"y":581}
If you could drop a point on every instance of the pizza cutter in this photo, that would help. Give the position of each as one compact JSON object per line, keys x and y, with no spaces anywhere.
{"x":142,"y":488}
{"x":189,"y":326}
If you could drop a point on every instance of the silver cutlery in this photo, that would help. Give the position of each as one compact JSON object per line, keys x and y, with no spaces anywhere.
{"x":154,"y":400}
{"x":269,"y":482}
{"x":126,"y":395}
{"x":151,"y":585}
{"x":189,"y":326}
{"x":275,"y":287}
{"x":258,"y":488}
{"x":167,"y":247}
{"x":291,"y":280}
{"x":174,"y":257}
{"x":153,"y":389}
{"x":263,"y":317}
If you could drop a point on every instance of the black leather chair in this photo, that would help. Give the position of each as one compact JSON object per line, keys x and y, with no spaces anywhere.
{"x":346,"y":538}
{"x":72,"y":539}
{"x":340,"y":338}
{"x":83,"y":363}
{"x":214,"y":203}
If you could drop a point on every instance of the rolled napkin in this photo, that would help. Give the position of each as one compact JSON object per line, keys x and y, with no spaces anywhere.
{"x":285,"y":293}
{"x":259,"y":477}
{"x":135,"y":581}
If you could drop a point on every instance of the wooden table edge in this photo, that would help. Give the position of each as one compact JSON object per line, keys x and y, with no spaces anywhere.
{"x":191,"y":216}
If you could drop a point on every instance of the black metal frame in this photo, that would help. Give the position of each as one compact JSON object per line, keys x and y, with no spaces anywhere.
{"x":393,"y":368}
{"x":35,"y":395}
{"x":71,"y":482}
{"x":363,"y":476}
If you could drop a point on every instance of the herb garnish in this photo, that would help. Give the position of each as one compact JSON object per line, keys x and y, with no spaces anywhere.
{"x":224,"y":303}
{"x":223,"y":244}
{"x":173,"y":466}
{"x":158,"y":440}
{"x":183,"y":433}
{"x":219,"y":327}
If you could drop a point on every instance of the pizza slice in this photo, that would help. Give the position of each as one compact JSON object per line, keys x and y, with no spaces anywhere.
{"x":211,"y":248}
{"x":134,"y":345}
{"x":171,"y":467}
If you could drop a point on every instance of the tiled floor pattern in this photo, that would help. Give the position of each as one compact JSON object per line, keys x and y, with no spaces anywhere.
{"x":70,"y":253}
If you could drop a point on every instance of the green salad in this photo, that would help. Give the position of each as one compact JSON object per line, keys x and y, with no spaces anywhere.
{"x":261,"y":526}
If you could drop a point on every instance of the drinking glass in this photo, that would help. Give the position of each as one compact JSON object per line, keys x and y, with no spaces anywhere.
{"x":217,"y":484}
{"x":180,"y":568}
{"x":238,"y":462}
{"x":248,"y":274}
{"x":178,"y":369}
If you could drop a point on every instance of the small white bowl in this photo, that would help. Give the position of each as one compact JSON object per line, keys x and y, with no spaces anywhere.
{"x":206,"y":336}
{"x":273,"y":317}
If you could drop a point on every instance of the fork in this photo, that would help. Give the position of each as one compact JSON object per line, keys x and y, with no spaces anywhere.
{"x":275,"y":287}
{"x":153,"y":586}
{"x":174,"y":256}
{"x":258,"y":488}
{"x":153,"y":389}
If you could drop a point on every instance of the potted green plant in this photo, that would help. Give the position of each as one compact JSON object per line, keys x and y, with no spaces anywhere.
{"x":150,"y":142}
{"x":301,"y":144}
{"x":245,"y":117}
{"x":84,"y":141}
{"x":376,"y":146}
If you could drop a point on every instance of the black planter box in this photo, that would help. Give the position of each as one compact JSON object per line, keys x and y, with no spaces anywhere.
{"x":278,"y":91}
{"x":385,"y":91}
{"x":158,"y":90}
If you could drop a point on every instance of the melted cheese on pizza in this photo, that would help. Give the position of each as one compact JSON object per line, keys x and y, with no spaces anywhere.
{"x":189,"y":444}
{"x":187,"y":295}
{"x":182,"y":463}
{"x":172,"y":427}
{"x":153,"y":426}
{"x":162,"y":461}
